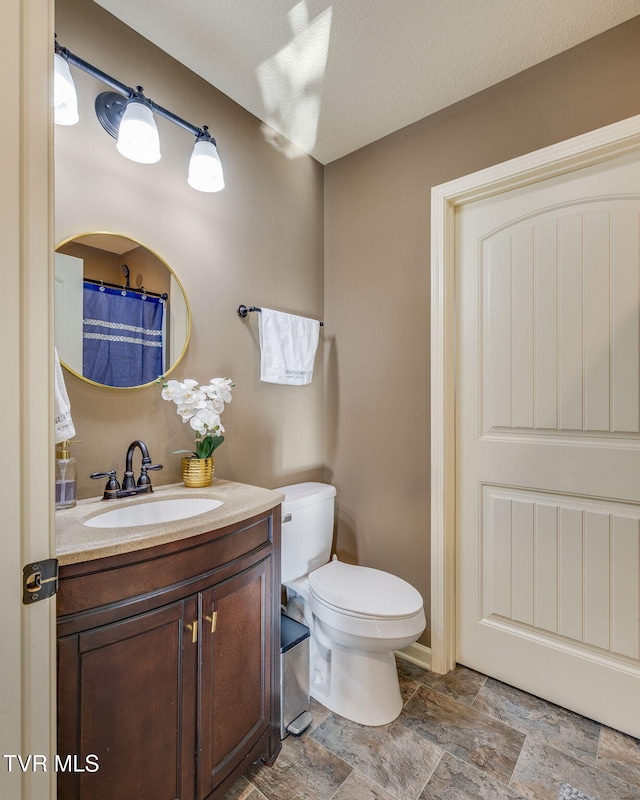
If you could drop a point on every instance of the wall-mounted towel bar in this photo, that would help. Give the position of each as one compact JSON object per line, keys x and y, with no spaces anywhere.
{"x":244,"y":310}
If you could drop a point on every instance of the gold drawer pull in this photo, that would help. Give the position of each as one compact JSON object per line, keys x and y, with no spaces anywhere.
{"x":193,"y":627}
{"x":213,"y":619}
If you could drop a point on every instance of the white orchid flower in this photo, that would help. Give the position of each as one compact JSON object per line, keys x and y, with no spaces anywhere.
{"x":197,"y":424}
{"x":217,"y":404}
{"x":171,"y":390}
{"x":209,"y":417}
{"x":185,"y":412}
{"x":193,"y":398}
{"x":200,"y":406}
{"x":223,"y":388}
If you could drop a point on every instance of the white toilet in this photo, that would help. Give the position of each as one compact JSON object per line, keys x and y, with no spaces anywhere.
{"x":357,"y":616}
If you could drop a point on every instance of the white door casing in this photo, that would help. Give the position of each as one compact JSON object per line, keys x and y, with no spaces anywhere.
{"x":582,"y":151}
{"x":27,"y":656}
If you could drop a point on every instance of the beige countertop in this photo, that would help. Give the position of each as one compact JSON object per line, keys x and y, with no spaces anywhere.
{"x":76,"y":542}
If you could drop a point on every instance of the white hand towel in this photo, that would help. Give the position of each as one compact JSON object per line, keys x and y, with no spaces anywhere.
{"x":288,"y":347}
{"x":63,"y":424}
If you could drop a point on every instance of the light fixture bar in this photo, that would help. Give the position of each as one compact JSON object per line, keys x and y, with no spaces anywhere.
{"x":127,"y":91}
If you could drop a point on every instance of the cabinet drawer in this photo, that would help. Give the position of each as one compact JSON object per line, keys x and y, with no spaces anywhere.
{"x":120,"y":579}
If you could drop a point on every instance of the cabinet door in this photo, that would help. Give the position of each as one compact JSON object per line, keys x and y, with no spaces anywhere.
{"x":235,"y":674}
{"x":126,"y":694}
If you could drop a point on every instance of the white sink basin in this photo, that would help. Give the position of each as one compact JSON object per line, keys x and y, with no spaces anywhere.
{"x":153,"y":512}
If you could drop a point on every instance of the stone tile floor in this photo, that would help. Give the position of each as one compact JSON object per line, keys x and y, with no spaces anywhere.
{"x":460,"y":736}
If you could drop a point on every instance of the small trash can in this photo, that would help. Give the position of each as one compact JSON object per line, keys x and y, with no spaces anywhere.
{"x":294,"y":677}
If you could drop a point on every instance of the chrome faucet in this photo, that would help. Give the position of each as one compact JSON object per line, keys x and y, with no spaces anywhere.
{"x":129,"y":487}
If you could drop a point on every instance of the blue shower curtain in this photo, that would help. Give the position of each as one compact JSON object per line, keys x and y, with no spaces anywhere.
{"x":122,"y":336}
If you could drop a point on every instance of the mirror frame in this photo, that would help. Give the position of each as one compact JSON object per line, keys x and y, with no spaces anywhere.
{"x":77,"y":236}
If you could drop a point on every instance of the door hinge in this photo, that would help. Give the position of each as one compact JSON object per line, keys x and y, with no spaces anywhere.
{"x":39,"y":580}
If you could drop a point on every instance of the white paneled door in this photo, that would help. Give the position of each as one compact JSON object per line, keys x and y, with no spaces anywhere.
{"x":548,"y":439}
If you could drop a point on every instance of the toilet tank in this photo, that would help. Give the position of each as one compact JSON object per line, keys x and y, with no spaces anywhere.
{"x":307,"y":528}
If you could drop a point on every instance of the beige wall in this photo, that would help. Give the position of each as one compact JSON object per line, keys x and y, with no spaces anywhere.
{"x":259,"y":241}
{"x":377,"y":282}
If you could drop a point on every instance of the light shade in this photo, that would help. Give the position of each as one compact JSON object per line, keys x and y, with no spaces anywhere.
{"x":65,"y":99}
{"x":138,"y":137}
{"x":205,"y":167}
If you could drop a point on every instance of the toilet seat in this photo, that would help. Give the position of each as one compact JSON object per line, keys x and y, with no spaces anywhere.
{"x":364,"y":592}
{"x":368,"y":629}
{"x":367,"y":603}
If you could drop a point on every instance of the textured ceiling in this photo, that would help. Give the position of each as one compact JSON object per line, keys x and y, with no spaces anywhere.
{"x":334,"y":76}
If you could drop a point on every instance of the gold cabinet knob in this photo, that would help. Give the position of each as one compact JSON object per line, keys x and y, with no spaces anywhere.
{"x":193,"y":627}
{"x":213,"y":619}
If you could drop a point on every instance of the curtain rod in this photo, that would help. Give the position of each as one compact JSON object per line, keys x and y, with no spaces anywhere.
{"x":142,"y":290}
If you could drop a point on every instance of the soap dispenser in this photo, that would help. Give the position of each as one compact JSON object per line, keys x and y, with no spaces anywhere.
{"x":66,"y":477}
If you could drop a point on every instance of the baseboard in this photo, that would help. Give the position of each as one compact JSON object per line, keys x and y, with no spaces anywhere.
{"x":416,"y":653}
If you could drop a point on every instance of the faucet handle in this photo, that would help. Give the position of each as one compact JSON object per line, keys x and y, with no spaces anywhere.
{"x":112,"y":484}
{"x":113,"y":481}
{"x":144,"y":479}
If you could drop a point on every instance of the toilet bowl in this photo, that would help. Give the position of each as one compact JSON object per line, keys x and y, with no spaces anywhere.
{"x":358,"y":616}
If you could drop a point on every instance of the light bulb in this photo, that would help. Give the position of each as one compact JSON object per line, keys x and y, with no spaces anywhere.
{"x":65,"y":99}
{"x":205,"y":167}
{"x":138,"y":137}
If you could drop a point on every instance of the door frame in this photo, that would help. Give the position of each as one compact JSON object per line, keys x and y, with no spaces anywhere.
{"x":581,"y":151}
{"x":27,"y":658}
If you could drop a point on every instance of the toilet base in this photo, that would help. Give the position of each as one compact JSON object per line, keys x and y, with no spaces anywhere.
{"x":358,"y":685}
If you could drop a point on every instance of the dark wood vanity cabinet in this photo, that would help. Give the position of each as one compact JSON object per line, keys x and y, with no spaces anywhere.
{"x":168,"y":666}
{"x":127,"y":693}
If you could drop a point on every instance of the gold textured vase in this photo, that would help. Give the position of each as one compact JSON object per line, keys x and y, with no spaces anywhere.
{"x":197,"y":472}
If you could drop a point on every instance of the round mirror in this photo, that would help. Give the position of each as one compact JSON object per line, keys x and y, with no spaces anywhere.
{"x":121,"y":315}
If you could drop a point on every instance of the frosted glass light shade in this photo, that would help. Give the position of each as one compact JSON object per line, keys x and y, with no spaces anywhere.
{"x":205,"y":168}
{"x":65,"y":99}
{"x":138,"y":137}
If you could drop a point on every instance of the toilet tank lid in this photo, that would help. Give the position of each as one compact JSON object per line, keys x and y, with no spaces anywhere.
{"x":304,"y":494}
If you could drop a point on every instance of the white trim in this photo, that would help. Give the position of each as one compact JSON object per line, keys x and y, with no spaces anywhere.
{"x":37,"y":347}
{"x":27,"y":656}
{"x":418,"y":654}
{"x":581,"y":151}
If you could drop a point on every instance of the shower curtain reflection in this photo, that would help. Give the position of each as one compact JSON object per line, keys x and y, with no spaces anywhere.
{"x":123,"y":336}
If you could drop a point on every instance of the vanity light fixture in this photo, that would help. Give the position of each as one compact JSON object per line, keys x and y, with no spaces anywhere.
{"x":65,"y":97}
{"x":138,"y":137}
{"x":205,"y":167}
{"x":128,"y":116}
